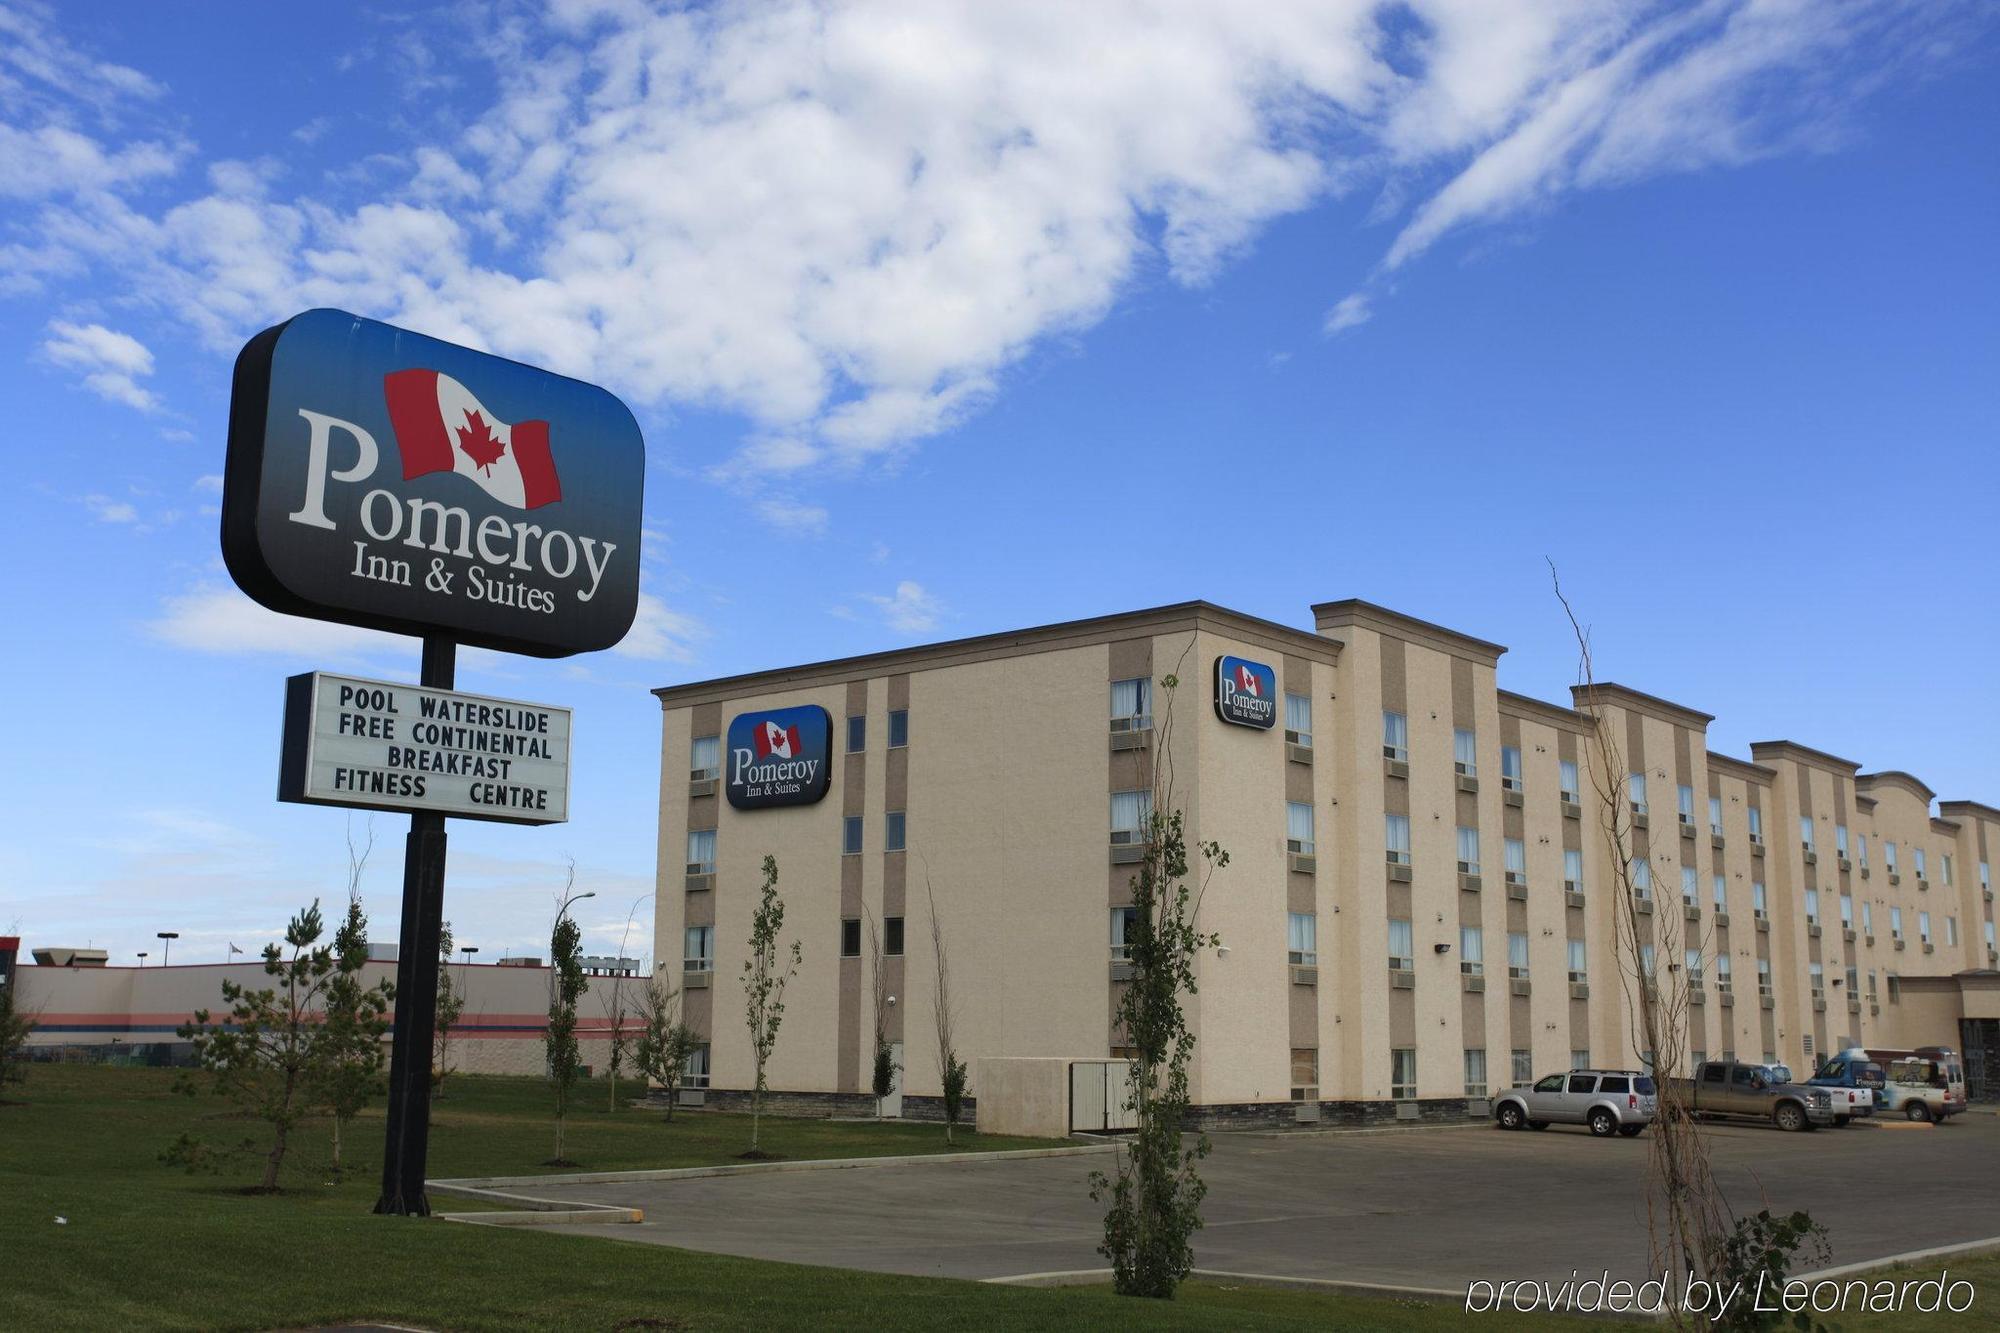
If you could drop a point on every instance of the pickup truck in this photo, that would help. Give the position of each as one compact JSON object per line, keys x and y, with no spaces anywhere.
{"x":1730,"y":1088}
{"x":1855,"y":1080}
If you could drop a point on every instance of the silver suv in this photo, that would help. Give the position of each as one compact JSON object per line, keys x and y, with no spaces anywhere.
{"x":1610,"y":1101}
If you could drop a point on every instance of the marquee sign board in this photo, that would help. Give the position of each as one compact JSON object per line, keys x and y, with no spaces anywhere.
{"x":1246,"y":692}
{"x":782,"y":756}
{"x":377,"y":477}
{"x":379,"y":745}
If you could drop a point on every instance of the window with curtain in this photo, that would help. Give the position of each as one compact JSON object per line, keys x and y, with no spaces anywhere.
{"x":1475,"y":1071}
{"x":1524,"y":1068}
{"x":1812,"y":906}
{"x":1573,"y":869}
{"x":1896,"y":922}
{"x":1579,"y":960}
{"x":1686,"y":796}
{"x":1924,"y":927}
{"x":1635,"y":789}
{"x":1396,"y":836}
{"x":1131,"y":704}
{"x":1298,"y":827}
{"x":1861,"y":850}
{"x":1465,"y":751}
{"x":705,"y":758}
{"x":1510,"y":769}
{"x":1642,"y":877}
{"x":1950,"y":931}
{"x":1868,"y":918}
{"x":1131,"y":811}
{"x":1756,"y":824}
{"x":1715,"y":814}
{"x":694,"y":1069}
{"x":1395,"y":735}
{"x":1757,"y":901}
{"x":1806,"y":832}
{"x":1517,"y":859}
{"x":1722,"y":970}
{"x":1846,"y":911}
{"x":1468,"y":850}
{"x":1517,"y":954}
{"x":700,"y":955}
{"x":1472,"y":951}
{"x":1692,"y":961}
{"x":1840,"y":839}
{"x":701,"y":851}
{"x":1763,"y":976}
{"x":1580,"y":1059}
{"x":1646,"y":961}
{"x":1299,"y":719}
{"x":1305,"y":1073}
{"x":1302,"y":938}
{"x":1569,"y":780}
{"x":1720,"y":885}
{"x":1401,"y":958}
{"x":1816,"y":979}
{"x":1403,"y":1073}
{"x":1123,"y":921}
{"x":1690,"y":887}
{"x":1944,"y":870}
{"x":1917,"y":861}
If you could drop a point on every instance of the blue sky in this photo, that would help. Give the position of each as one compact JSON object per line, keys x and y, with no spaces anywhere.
{"x":951,"y":320}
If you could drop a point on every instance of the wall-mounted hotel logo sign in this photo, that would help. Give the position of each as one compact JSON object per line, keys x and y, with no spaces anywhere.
{"x":381,"y":478}
{"x":384,"y":746}
{"x":779,"y":757}
{"x":1246,"y":693}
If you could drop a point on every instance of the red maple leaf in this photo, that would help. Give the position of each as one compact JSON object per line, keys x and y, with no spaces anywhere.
{"x":479,"y":442}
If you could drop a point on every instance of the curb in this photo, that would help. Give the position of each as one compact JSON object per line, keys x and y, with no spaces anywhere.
{"x":1966,"y":1249}
{"x":484,"y":1184}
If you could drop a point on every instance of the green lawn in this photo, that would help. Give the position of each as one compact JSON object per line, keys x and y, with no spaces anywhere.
{"x":144,"y":1245}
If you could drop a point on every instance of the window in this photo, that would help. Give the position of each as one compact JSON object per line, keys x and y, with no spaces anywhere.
{"x":1298,"y":827}
{"x":1464,"y":752}
{"x":1924,"y":927}
{"x":1401,"y":955}
{"x":1517,"y":861}
{"x":850,"y":937}
{"x":1475,"y":1071}
{"x":1715,"y":815}
{"x":1396,"y":835}
{"x":1889,"y":856}
{"x":899,"y":727}
{"x":893,"y":831}
{"x":1691,"y":960}
{"x":1523,"y":1068}
{"x":1989,"y":936}
{"x":1647,"y":961}
{"x":1573,"y":870}
{"x":1812,"y":907}
{"x":1517,"y":954}
{"x":1132,"y":704}
{"x":1395,"y":736}
{"x":1853,"y":982}
{"x":1579,"y":961}
{"x":1696,"y":1059}
{"x":1816,"y":979}
{"x":1472,"y":951}
{"x":1131,"y":813}
{"x":1690,"y":887}
{"x":1756,"y":825}
{"x":1806,"y":832}
{"x":1867,"y":918}
{"x":701,"y":851}
{"x":1917,"y":861}
{"x":1719,"y":886}
{"x":1861,"y":850}
{"x":1124,"y":922}
{"x":1896,"y":923}
{"x":1510,"y":778}
{"x":1635,"y":791}
{"x":700,"y":949}
{"x":1468,"y":850}
{"x":694,"y":1069}
{"x":1568,"y":780}
{"x":1950,"y":931}
{"x":1757,"y":908}
{"x":892,"y":936}
{"x":1403,"y":1073}
{"x":1305,"y":1074}
{"x":1763,"y":976}
{"x":1722,"y":971}
{"x":1944,"y":869}
{"x":1302,"y":938}
{"x":1685,"y":797}
{"x":1299,"y":725}
{"x":1642,"y":878}
{"x":857,"y":734}
{"x":1986,"y":876}
{"x":1871,"y":983}
{"x":1579,"y":1059}
{"x":850,"y":835}
{"x":705,"y":759}
{"x":1840,"y":839}
{"x":1846,"y":911}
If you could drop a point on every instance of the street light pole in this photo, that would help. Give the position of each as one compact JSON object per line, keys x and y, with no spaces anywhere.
{"x":560,"y":912}
{"x":142,"y":958}
{"x":167,"y":948}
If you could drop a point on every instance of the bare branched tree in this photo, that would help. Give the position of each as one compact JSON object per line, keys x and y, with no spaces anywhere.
{"x":951,"y":1069}
{"x":1685,"y":1215}
{"x":882,"y":1078}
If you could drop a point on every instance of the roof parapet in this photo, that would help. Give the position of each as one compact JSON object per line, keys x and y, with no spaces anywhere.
{"x":1606,"y":693}
{"x":1330,"y":616}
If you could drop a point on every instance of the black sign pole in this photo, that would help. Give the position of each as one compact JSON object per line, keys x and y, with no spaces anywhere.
{"x":408,"y":1138}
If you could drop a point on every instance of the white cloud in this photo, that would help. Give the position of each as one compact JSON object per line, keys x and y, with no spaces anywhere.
{"x":1348,"y":312}
{"x":661,"y":634}
{"x":847,"y":221}
{"x":210,"y":484}
{"x":111,"y":363}
{"x":219,"y":619}
{"x":804,"y":520}
{"x":107,"y":510}
{"x":910,"y":609}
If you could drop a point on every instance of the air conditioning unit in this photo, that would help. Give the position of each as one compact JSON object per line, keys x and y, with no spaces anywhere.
{"x":1303,"y":863}
{"x":691,"y":1097}
{"x":1874,"y":1008}
{"x":1396,"y":768}
{"x":1305,"y":975}
{"x":1571,"y":810}
{"x":1517,"y":891}
{"x":701,"y":787}
{"x":1923,"y":885}
{"x":1812,"y":930}
{"x":1511,"y":797}
{"x":1579,"y":990}
{"x":1812,"y":857}
{"x":1408,"y":1111}
{"x":1721,"y":917}
{"x":1307,"y":1112}
{"x":1131,"y":724}
{"x":1929,"y":947}
{"x":1716,"y":840}
{"x":1864,"y":872}
{"x":1300,"y":754}
{"x":1479,"y":1107}
{"x":1695,"y":993}
{"x":1690,"y":911}
{"x":1472,"y":985}
{"x":1517,"y":877}
{"x":1639,"y":819}
{"x":1726,"y":997}
{"x":1644,"y":906}
{"x":1853,"y":1006}
{"x":1572,"y":898}
{"x":1847,"y":935}
{"x":1895,"y":878}
{"x":1845,"y":864}
{"x":1687,"y":829}
{"x":1399,"y":874}
{"x":1467,"y":784}
{"x":1519,"y":985}
{"x":1766,"y":1002}
{"x":1899,"y":944}
{"x":1402,"y":979}
{"x":1121,"y":969}
{"x":1819,"y":1004}
{"x":1869,"y":938}
{"x":1127,"y":847}
{"x":1469,"y":883}
{"x":695,"y":980}
{"x":1130,"y":739}
{"x":700,"y":883}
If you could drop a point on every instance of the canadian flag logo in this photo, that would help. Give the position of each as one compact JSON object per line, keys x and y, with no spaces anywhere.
{"x":441,"y":427}
{"x":774,"y":741}
{"x":1246,"y":681}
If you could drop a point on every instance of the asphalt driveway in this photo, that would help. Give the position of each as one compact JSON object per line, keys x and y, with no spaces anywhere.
{"x":1425,"y":1208}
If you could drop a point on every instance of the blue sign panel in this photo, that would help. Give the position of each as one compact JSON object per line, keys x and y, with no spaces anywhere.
{"x":378,"y":477}
{"x":780,"y":757}
{"x":1246,"y":692}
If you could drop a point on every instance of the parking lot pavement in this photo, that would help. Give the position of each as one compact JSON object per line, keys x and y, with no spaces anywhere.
{"x":1422,"y":1209}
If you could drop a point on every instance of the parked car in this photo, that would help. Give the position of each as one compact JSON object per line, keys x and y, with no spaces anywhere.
{"x":1731,"y":1088}
{"x":1852,"y":1075}
{"x":1927,"y":1083}
{"x":1609,"y":1101}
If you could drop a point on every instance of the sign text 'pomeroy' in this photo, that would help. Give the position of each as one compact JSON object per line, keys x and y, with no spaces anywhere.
{"x":1246,"y":692}
{"x":778,"y":757}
